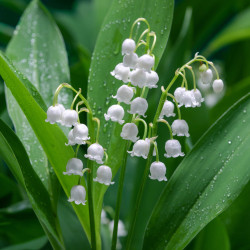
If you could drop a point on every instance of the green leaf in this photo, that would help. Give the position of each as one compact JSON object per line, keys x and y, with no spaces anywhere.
{"x":107,"y":54}
{"x":238,"y":29}
{"x":36,"y":191}
{"x":37,"y":50}
{"x":51,"y":137}
{"x":206,"y":182}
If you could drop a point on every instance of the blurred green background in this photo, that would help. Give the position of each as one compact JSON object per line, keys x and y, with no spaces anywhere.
{"x":220,"y":30}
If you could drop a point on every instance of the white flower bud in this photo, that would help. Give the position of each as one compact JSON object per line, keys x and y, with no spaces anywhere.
{"x":74,"y":166}
{"x":130,"y":60}
{"x":197,"y":98}
{"x":158,"y":171}
{"x":218,"y":85}
{"x":121,"y":231}
{"x":121,"y":72}
{"x":138,"y":78}
{"x":115,"y":113}
{"x":95,"y":152}
{"x":206,"y":76}
{"x":69,"y":117}
{"x":178,"y":93}
{"x":77,"y":195}
{"x":188,"y":99}
{"x":152,"y":79}
{"x":130,"y":132}
{"x":80,"y":133}
{"x":54,"y":113}
{"x":71,"y":139}
{"x":128,"y":46}
{"x":173,"y":149}
{"x":138,"y":106}
{"x":104,"y":175}
{"x":167,"y":110}
{"x":146,"y":62}
{"x":141,"y":148}
{"x":124,"y":94}
{"x":180,"y":128}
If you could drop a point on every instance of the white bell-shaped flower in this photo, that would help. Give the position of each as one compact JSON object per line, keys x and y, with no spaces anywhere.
{"x":138,"y":106}
{"x":206,"y":76}
{"x":71,"y":139}
{"x":146,"y":62}
{"x":173,"y":149}
{"x":121,"y":72}
{"x":80,"y":133}
{"x":197,"y":98}
{"x":121,"y":230}
{"x":180,"y":128}
{"x":188,"y":99}
{"x":130,"y":132}
{"x":167,"y":110}
{"x":54,"y":113}
{"x":104,"y":175}
{"x":95,"y":152}
{"x":128,"y":46}
{"x":124,"y":94}
{"x":104,"y":218}
{"x":130,"y":60}
{"x":74,"y":166}
{"x":78,"y":195}
{"x":69,"y":118}
{"x":218,"y":85}
{"x":158,"y":171}
{"x":141,"y":148}
{"x":115,"y":113}
{"x":152,"y":79}
{"x":178,"y":94}
{"x":138,"y":78}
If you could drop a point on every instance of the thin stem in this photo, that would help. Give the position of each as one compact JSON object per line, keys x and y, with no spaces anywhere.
{"x":176,"y":104}
{"x":169,"y":127}
{"x":154,"y":41}
{"x":106,"y":158}
{"x":83,"y":110}
{"x":140,"y":38}
{"x":119,"y":199}
{"x":77,"y":149}
{"x":156,"y":151}
{"x":190,"y":68}
{"x":78,"y":104}
{"x":145,"y":126}
{"x":74,"y":100}
{"x":141,"y":19}
{"x":98,"y":128}
{"x":217,"y":74}
{"x":143,"y":92}
{"x":184,"y":78}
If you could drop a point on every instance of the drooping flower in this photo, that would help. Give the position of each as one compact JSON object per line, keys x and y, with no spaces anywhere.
{"x":218,"y":85}
{"x":69,"y":118}
{"x":173,"y":149}
{"x":121,"y":72}
{"x":124,"y":94}
{"x":128,"y":46}
{"x":115,"y":113}
{"x":188,"y":99}
{"x":178,"y":94}
{"x":95,"y":152}
{"x":206,"y":76}
{"x":104,"y":175}
{"x":141,"y":148}
{"x":138,"y":106}
{"x":152,"y":79}
{"x":80,"y":133}
{"x":138,"y":78}
{"x":54,"y":113}
{"x":71,"y":139}
{"x":130,"y":60}
{"x":130,"y":132}
{"x":180,"y":128}
{"x":146,"y":62}
{"x":121,"y":232}
{"x":167,"y":110}
{"x":158,"y":171}
{"x":74,"y":166}
{"x":78,"y":195}
{"x":197,"y":97}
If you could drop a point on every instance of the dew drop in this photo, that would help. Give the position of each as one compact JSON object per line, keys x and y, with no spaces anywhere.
{"x":229,"y":142}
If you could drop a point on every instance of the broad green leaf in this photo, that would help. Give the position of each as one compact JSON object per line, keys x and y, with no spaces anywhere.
{"x":238,"y":29}
{"x":38,"y":195}
{"x":107,"y":55}
{"x":206,"y":182}
{"x":38,"y":51}
{"x":51,"y":137}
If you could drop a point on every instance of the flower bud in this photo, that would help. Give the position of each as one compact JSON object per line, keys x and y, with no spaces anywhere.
{"x":69,"y":118}
{"x":187,"y":99}
{"x":152,"y":79}
{"x":207,"y":76}
{"x":141,"y":148}
{"x":218,"y":85}
{"x":167,"y":110}
{"x":74,"y":166}
{"x":130,"y":132}
{"x":128,"y":46}
{"x":138,"y":106}
{"x":124,"y":94}
{"x":95,"y":152}
{"x":130,"y":60}
{"x":146,"y":62}
{"x":77,"y":195}
{"x":173,"y":149}
{"x":80,"y":133}
{"x":104,"y":175}
{"x":178,"y":94}
{"x":54,"y":113}
{"x":138,"y":78}
{"x":197,"y":97}
{"x":121,"y":72}
{"x":158,"y":171}
{"x":115,"y":113}
{"x":180,"y":128}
